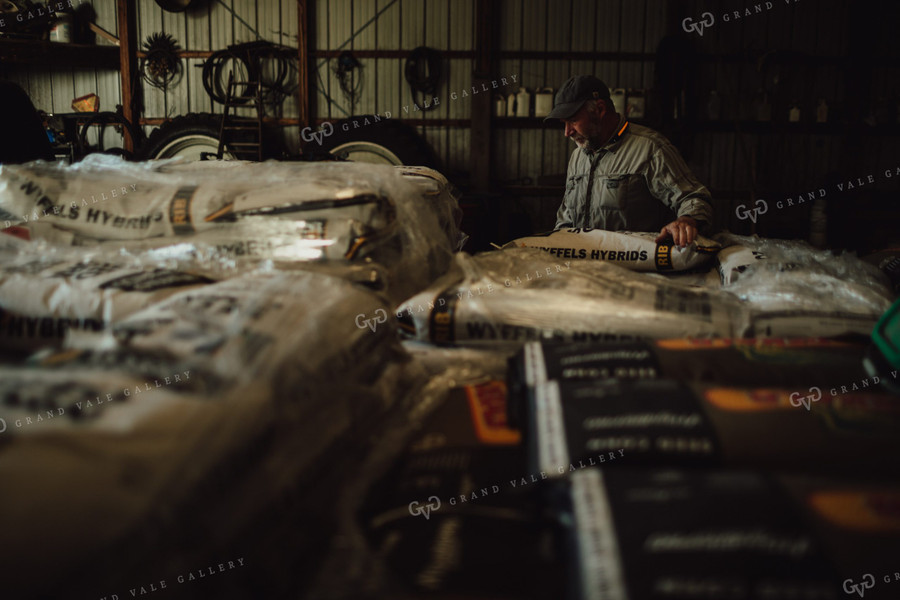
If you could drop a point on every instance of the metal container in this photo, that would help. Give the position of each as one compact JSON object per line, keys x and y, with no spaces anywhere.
{"x":62,"y":28}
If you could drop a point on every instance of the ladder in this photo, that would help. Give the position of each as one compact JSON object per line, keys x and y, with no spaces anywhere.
{"x":239,"y":146}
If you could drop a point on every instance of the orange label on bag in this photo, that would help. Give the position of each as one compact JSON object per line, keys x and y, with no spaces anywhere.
{"x":717,"y":343}
{"x":754,"y":400}
{"x":488,"y":405}
{"x":870,"y":512}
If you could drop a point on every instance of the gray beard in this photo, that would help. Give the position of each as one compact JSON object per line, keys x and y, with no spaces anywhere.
{"x":592,"y":145}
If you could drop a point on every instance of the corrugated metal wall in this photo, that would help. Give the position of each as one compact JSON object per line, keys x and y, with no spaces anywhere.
{"x":214,"y":26}
{"x":616,"y":40}
{"x":401,"y":25}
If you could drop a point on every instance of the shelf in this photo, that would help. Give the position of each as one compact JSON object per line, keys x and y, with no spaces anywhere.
{"x":565,"y":55}
{"x":768,"y":127}
{"x":764,"y":127}
{"x":525,"y":123}
{"x":537,"y":123}
{"x":536,"y":190}
{"x":53,"y":54}
{"x":751,"y":127}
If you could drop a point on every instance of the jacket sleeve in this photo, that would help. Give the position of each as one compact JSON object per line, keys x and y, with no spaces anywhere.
{"x":671,"y":181}
{"x":565,"y":216}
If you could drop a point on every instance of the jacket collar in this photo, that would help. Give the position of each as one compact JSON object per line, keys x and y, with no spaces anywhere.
{"x":615,"y":141}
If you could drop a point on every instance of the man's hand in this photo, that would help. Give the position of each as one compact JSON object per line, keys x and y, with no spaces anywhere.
{"x":682,"y":230}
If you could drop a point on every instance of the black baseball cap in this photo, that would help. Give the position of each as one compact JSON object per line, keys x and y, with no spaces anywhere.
{"x":574,"y":93}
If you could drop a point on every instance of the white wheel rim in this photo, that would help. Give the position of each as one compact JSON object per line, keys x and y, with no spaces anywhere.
{"x":366,"y":152}
{"x":191,"y":147}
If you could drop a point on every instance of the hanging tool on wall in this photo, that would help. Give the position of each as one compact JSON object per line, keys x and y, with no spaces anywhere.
{"x":271,"y":66}
{"x":161,"y":65}
{"x":423,"y":73}
{"x":347,"y":70}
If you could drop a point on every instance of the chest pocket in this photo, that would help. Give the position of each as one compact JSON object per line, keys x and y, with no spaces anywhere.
{"x":612,"y":191}
{"x":576,"y":188}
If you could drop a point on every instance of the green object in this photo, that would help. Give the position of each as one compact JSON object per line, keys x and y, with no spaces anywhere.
{"x":887,"y":335}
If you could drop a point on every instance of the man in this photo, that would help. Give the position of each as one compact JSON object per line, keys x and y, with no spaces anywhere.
{"x":624,"y":176}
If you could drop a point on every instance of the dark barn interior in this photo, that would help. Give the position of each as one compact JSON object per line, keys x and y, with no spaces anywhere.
{"x":411,"y":299}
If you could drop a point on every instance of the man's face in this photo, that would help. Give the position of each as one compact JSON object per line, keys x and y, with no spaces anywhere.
{"x":584,"y":126}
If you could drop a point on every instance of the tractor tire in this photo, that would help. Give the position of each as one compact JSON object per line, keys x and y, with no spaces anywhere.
{"x":386,"y":141}
{"x":191,"y":134}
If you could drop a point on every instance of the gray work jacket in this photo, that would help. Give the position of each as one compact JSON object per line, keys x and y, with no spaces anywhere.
{"x":636,"y":182}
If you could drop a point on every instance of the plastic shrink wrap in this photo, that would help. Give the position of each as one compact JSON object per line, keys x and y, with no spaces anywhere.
{"x":98,"y":462}
{"x":284,"y":357}
{"x":793,"y":290}
{"x":520,"y":294}
{"x":406,"y":221}
{"x":287,"y":326}
{"x":46,"y":291}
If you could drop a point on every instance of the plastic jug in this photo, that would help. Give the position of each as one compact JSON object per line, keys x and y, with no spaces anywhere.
{"x":499,"y":105}
{"x":523,"y":103}
{"x":543,"y":102}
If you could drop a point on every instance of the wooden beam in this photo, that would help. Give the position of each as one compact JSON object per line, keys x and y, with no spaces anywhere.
{"x":480,"y":139}
{"x":46,"y":54}
{"x":303,"y":89}
{"x":128,"y":65}
{"x":104,"y":34}
{"x":566,"y":55}
{"x":292,"y":122}
{"x":388,"y":53}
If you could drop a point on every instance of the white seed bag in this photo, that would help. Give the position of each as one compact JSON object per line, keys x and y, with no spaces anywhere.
{"x":106,"y":200}
{"x":442,"y":197}
{"x":635,"y":251}
{"x":519,"y":295}
{"x":296,"y":325}
{"x":791,"y":289}
{"x":346,"y":212}
{"x":44,"y":294}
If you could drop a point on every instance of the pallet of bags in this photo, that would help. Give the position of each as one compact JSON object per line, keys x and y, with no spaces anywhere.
{"x":732,"y":362}
{"x":792,"y":289}
{"x":521,"y":294}
{"x":273,"y":369}
{"x":632,"y":534}
{"x":46,"y":291}
{"x":808,"y":427}
{"x":287,"y":213}
{"x":443,"y":519}
{"x":96,"y":463}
